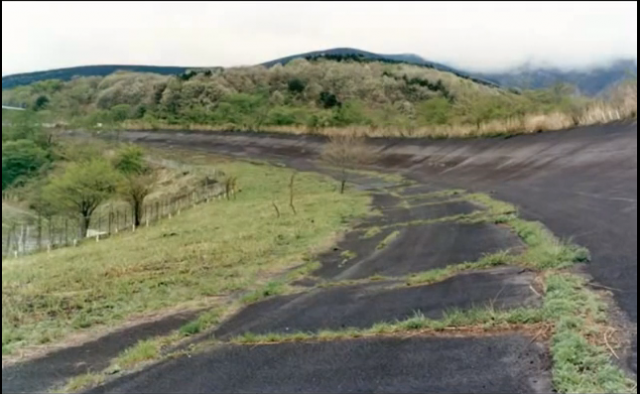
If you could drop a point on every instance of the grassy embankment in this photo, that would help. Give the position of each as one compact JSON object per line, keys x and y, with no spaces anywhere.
{"x":196,"y":259}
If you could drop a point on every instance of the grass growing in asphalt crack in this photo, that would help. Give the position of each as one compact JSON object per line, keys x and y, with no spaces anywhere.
{"x":372,"y":232}
{"x":581,"y":362}
{"x":388,"y":240}
{"x":271,"y":289}
{"x":82,"y":382}
{"x":438,"y":275}
{"x":436,"y":195}
{"x":304,"y":271}
{"x":479,"y":320}
{"x":348,"y":255}
{"x":545,"y":251}
{"x":204,"y":322}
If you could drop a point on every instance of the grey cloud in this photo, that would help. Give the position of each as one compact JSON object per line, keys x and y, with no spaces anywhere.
{"x":476,"y":36}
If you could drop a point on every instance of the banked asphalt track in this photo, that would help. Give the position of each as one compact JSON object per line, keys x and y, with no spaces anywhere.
{"x":580,"y":183}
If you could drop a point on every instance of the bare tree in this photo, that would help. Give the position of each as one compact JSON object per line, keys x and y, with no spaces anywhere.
{"x":347,"y":152}
{"x":135,"y":188}
{"x":292,"y":193}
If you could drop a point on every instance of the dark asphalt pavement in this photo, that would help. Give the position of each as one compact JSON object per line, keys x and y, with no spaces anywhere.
{"x":506,"y":364}
{"x":362,"y":306}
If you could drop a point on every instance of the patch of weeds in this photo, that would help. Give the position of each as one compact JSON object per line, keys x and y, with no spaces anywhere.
{"x":375,"y":213}
{"x":581,"y":363}
{"x":438,"y":275}
{"x":496,"y":259}
{"x":83,"y":382}
{"x":485,"y":319}
{"x":436,"y":203}
{"x":372,"y":232}
{"x":348,"y":255}
{"x":439,"y":194}
{"x":303,"y":271}
{"x":272,"y":288}
{"x":545,"y":251}
{"x":140,"y":353}
{"x":390,"y":238}
{"x":495,"y":207}
{"x":202,"y":323}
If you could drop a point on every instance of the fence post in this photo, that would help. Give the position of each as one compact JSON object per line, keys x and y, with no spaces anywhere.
{"x":117,"y":221}
{"x":66,"y":232}
{"x":50,"y":229}
{"x":39,"y":232}
{"x":9,"y":240}
{"x":26,"y":240}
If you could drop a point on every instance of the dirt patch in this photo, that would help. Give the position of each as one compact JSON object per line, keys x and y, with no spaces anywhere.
{"x":55,"y":368}
{"x":408,"y":365}
{"x":362,"y":306}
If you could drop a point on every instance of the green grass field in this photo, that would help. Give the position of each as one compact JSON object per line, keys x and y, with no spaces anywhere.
{"x":212,"y":250}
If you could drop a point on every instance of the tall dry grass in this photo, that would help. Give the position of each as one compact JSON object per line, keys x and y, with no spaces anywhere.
{"x":621,"y":104}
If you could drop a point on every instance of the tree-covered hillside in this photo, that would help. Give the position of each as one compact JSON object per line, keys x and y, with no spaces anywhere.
{"x":305,"y":95}
{"x":67,"y":74}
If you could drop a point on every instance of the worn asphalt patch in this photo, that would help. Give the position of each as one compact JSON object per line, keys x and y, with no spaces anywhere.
{"x":427,"y":247}
{"x":55,"y":368}
{"x":437,"y":211}
{"x":362,"y":306}
{"x":503,"y":364}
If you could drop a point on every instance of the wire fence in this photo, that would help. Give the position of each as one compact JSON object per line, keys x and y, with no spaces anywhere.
{"x":39,"y":234}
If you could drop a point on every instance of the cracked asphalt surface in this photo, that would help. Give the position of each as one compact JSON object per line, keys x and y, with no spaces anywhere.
{"x":581,"y":183}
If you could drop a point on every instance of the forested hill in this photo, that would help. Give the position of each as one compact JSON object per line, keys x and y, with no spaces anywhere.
{"x":336,"y":54}
{"x":342,"y":54}
{"x":590,"y":82}
{"x":66,"y":74}
{"x":314,"y":95}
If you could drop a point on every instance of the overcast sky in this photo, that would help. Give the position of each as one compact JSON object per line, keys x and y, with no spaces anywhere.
{"x":474,"y":36}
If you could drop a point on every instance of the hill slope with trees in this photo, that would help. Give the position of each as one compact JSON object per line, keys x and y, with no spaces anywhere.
{"x":311,"y":95}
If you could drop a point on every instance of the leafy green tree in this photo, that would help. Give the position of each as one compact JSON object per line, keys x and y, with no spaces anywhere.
{"x":82,"y":188}
{"x":26,"y":125}
{"x":41,"y":103}
{"x":130,"y":160}
{"x":296,"y":86}
{"x":120,"y":113}
{"x":437,"y":111}
{"x":21,"y":160}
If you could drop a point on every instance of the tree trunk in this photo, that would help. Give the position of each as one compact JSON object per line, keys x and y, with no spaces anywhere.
{"x":137,"y":214}
{"x":86,"y":222}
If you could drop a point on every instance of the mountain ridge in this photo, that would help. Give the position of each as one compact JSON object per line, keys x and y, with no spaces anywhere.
{"x":589,"y":81}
